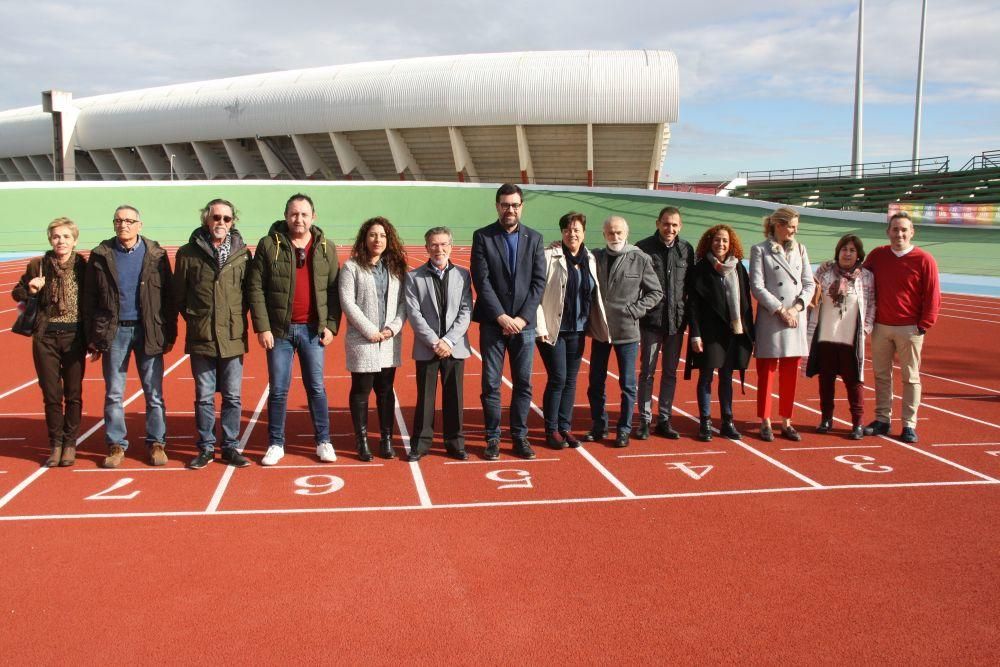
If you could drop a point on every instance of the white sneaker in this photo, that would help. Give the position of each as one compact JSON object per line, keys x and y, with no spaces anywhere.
{"x":325,"y":452}
{"x":272,"y":455}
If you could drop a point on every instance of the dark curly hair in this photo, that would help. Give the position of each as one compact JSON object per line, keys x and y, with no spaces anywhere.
{"x":705,"y":244}
{"x":394,"y":256}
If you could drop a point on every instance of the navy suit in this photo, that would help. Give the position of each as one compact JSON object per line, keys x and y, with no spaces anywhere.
{"x":515,"y":293}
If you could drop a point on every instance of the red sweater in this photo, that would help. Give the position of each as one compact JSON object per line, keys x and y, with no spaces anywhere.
{"x":907,"y":289}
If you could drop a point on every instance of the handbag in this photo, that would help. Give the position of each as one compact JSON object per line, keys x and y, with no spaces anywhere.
{"x":27,"y":314}
{"x":26,"y":317}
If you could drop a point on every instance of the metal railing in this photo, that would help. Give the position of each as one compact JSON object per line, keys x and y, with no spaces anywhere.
{"x":985,"y":160}
{"x":927,"y":165}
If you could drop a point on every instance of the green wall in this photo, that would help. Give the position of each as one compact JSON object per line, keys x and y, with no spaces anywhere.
{"x":170,"y":212}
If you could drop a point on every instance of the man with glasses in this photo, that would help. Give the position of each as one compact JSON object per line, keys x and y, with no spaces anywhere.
{"x":508,"y":270}
{"x":209,"y":275}
{"x":295,"y":307}
{"x":128,"y":309}
{"x":439,"y":308}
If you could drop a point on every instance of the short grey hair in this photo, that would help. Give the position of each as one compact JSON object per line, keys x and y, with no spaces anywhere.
{"x":615,"y":218}
{"x":434,"y":231}
{"x":130,"y":208}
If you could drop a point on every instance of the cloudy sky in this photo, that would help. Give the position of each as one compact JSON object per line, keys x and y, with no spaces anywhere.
{"x":763,"y":85}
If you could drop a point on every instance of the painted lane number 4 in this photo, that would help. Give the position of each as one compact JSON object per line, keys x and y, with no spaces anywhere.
{"x":692,"y":471}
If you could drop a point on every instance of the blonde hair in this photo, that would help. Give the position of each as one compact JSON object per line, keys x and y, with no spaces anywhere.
{"x":63,"y":222}
{"x":783,"y":215}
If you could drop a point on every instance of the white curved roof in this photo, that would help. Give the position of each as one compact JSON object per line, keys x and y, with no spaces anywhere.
{"x":530,"y":88}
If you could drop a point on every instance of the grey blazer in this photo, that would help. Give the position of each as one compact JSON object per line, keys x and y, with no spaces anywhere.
{"x":422,"y":310}
{"x":779,"y":282}
{"x":359,"y":300}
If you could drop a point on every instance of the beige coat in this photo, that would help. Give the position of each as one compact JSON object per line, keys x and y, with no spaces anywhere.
{"x":550,"y":309}
{"x":359,"y":301}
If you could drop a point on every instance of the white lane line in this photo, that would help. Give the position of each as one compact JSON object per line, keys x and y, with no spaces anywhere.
{"x":966,"y":444}
{"x":945,"y":379}
{"x":129,"y":470}
{"x":499,"y":503}
{"x":324,"y":466}
{"x":971,"y":311}
{"x":16,"y":389}
{"x":971,"y":319}
{"x":582,"y":450}
{"x":11,"y":439}
{"x":13,"y":493}
{"x":740,"y":443}
{"x":939,"y":409}
{"x":500,"y":462}
{"x":418,"y":476}
{"x":227,"y":474}
{"x":813,"y":449}
{"x":650,"y":456}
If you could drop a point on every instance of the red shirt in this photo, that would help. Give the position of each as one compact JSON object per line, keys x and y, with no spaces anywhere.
{"x":304,"y":302}
{"x":907,"y":288}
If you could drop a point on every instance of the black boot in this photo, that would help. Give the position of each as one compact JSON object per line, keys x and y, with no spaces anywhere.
{"x":705,"y":429}
{"x":728,"y":430}
{"x":385,"y":446}
{"x":359,"y":418}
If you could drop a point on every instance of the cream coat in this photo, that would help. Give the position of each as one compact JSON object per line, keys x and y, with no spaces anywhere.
{"x":550,"y":309}
{"x":359,"y":301}
{"x":779,"y":281}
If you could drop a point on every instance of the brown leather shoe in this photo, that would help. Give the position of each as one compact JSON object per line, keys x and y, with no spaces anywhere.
{"x":116,"y":454}
{"x":68,"y":456}
{"x":157,"y":454}
{"x":54,"y":457}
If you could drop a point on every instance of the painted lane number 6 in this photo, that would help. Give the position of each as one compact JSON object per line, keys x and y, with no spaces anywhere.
{"x":318,"y":485}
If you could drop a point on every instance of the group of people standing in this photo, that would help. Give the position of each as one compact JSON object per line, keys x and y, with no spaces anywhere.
{"x":636,"y":301}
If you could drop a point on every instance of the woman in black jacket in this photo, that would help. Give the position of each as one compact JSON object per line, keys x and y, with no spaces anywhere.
{"x":57,"y":346}
{"x":721,"y":321}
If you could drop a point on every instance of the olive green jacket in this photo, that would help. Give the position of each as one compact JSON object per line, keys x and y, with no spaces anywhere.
{"x":212,"y":300}
{"x":271,"y":281}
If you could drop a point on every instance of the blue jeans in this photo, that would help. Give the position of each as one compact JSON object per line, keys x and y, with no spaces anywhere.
{"x":521,"y":349}
{"x":600,"y":353}
{"x":562,"y":363}
{"x":213,"y":374}
{"x":305,"y":339}
{"x":704,"y":391}
{"x":114,"y":363}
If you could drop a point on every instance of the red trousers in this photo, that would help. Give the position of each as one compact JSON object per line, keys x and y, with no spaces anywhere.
{"x":787,"y":369}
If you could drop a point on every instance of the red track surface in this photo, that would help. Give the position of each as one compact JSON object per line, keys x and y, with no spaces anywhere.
{"x":778,"y":552}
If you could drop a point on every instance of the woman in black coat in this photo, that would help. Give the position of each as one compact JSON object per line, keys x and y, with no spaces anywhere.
{"x":721,"y":321}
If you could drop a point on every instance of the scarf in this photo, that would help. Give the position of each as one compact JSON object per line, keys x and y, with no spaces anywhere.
{"x":727,"y":270}
{"x":786,"y":248}
{"x":577,"y":282}
{"x":843,"y":279}
{"x":62,"y":275}
{"x":223,"y":249}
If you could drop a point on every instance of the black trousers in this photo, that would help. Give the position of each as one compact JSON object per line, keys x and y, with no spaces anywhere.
{"x":59,"y":361}
{"x":451,"y":371}
{"x":361,"y":387}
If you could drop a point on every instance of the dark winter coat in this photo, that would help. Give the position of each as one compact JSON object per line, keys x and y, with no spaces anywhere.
{"x":271,"y":281}
{"x":708,"y":319}
{"x":156,"y":301}
{"x":212,"y":299}
{"x":671,"y":266}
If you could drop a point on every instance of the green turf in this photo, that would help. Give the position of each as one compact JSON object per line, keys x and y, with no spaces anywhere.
{"x":170,"y":212}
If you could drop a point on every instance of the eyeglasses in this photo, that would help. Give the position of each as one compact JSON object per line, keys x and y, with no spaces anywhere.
{"x":506,"y":206}
{"x":124,"y":222}
{"x":224,"y":218}
{"x":300,"y":257}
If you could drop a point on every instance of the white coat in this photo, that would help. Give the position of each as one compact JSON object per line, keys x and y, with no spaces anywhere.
{"x":780,"y":281}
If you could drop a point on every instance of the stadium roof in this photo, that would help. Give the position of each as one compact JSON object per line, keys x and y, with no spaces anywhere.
{"x":558,"y":116}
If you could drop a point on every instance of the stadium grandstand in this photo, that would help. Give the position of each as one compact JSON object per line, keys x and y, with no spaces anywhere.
{"x":878,"y":185}
{"x":557,"y":117}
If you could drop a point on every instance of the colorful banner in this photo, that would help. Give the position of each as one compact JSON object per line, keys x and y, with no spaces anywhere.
{"x":954,"y":215}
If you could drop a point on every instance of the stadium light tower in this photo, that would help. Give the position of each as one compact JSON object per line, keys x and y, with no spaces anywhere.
{"x":858,"y":85}
{"x":920,"y":87}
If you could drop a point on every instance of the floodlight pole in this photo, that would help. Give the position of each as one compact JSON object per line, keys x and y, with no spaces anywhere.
{"x":172,"y":156}
{"x":920,"y":87}
{"x":858,"y":90}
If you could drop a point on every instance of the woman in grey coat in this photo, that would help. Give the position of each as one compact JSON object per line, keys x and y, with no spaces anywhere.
{"x":781,"y":281}
{"x":371,"y":295}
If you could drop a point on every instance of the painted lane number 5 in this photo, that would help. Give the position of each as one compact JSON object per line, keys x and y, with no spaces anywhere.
{"x":510,"y":479}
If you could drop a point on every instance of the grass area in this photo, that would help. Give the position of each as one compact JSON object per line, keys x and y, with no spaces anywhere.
{"x":170,"y":213}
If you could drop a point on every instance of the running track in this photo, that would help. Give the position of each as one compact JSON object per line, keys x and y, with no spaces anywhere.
{"x":681,"y":551}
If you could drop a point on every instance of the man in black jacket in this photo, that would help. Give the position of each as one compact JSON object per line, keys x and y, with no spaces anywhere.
{"x":662,"y":328}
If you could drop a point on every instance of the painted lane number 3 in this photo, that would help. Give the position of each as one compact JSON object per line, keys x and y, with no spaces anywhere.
{"x":862,"y":463}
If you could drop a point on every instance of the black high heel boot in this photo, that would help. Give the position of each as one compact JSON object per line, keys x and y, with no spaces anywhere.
{"x":359,"y":417}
